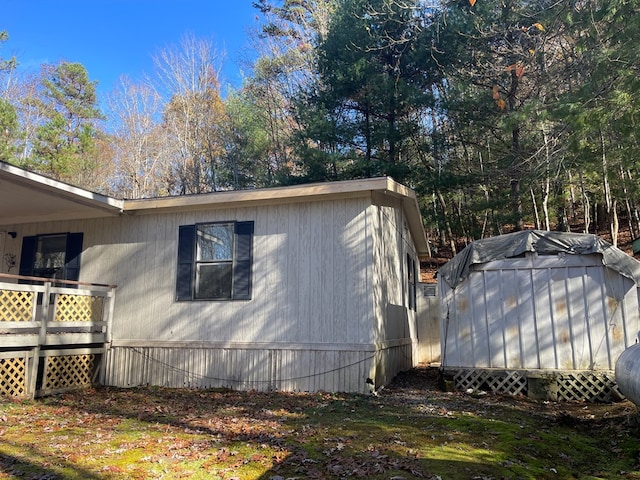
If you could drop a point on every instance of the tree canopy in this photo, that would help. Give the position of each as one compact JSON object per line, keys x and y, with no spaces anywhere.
{"x":502,"y":115}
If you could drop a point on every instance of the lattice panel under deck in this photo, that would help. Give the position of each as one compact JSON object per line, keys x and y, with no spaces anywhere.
{"x":589,"y":386}
{"x":512,"y":383}
{"x":13,"y":377}
{"x":68,"y":372}
{"x":78,"y":308}
{"x":16,"y":306}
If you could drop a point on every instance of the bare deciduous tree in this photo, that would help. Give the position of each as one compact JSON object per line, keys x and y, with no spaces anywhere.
{"x":194,"y":112}
{"x":139,"y":151}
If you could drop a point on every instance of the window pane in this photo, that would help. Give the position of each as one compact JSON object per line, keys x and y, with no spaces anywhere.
{"x":50,"y":256}
{"x":215,"y":242}
{"x":213,"y":280}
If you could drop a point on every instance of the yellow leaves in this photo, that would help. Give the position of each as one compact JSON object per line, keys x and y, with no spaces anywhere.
{"x":517,"y":69}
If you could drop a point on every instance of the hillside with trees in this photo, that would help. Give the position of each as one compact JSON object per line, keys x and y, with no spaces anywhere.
{"x":501,"y":115}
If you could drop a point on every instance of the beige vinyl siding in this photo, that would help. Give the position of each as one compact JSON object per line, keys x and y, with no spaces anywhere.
{"x":307,"y":326}
{"x":428,"y":324}
{"x":392,"y":244}
{"x":328,"y":276}
{"x":329,"y":273}
{"x":310,"y":274}
{"x":395,"y":323}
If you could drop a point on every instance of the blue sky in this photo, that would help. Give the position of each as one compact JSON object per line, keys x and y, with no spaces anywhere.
{"x":117,"y":37}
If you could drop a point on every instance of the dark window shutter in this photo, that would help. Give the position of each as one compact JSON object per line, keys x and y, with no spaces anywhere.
{"x":186,"y":251}
{"x":416,"y":277}
{"x":27,"y":256}
{"x":411,"y":282}
{"x":242,"y":261}
{"x":72,"y":256}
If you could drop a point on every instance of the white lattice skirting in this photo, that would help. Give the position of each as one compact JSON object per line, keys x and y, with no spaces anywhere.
{"x":68,"y":372}
{"x":13,"y":375}
{"x":539,"y":384}
{"x":61,"y":373}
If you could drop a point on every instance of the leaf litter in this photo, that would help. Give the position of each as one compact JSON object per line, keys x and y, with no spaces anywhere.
{"x":409,"y":430}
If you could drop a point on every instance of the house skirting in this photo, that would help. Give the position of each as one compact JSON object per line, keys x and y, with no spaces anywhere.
{"x":555,"y":385}
{"x":312,"y":367}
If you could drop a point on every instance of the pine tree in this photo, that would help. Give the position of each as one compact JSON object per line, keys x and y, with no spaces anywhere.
{"x":64,"y":146}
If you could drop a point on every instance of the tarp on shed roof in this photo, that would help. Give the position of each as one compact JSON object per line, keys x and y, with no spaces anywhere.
{"x":544,"y":243}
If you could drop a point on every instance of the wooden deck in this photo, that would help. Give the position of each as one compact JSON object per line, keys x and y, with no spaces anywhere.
{"x":52,"y":334}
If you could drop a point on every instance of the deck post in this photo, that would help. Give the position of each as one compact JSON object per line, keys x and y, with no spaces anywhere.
{"x":43,"y":320}
{"x":108,"y":316}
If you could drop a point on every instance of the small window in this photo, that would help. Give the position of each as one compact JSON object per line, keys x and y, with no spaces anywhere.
{"x":52,"y":256}
{"x":214,"y":261}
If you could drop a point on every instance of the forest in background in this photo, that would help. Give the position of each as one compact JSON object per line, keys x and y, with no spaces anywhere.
{"x":500,"y":114}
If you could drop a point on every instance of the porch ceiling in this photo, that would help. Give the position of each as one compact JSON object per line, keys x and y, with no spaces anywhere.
{"x":29,"y":197}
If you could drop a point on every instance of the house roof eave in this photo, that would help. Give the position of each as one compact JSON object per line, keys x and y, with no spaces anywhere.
{"x":261,"y":196}
{"x":30,"y":197}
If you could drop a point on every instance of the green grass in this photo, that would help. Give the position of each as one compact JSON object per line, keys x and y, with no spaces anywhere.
{"x":151,"y":433}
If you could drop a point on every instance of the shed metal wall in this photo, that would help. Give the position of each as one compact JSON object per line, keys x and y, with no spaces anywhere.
{"x":562,"y":312}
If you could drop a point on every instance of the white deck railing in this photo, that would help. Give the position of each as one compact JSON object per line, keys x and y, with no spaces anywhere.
{"x":42,"y":317}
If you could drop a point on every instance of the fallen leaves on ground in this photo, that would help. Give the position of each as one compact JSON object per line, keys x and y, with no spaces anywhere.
{"x":410,"y":430}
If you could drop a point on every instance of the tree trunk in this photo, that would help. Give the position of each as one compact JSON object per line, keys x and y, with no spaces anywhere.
{"x":547,"y":184}
{"x":572,"y":197}
{"x":615,"y":226}
{"x":627,"y":203}
{"x":445,"y":214}
{"x":635,"y":217}
{"x":608,"y":201}
{"x":586,"y":206}
{"x":535,"y":208}
{"x":516,"y":200}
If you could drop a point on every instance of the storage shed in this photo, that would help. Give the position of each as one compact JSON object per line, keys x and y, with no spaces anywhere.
{"x":539,"y":313}
{"x":301,"y":288}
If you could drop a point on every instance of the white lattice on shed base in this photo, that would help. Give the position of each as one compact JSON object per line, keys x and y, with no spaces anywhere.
{"x":68,"y":372}
{"x":510,"y":382}
{"x":588,"y":386}
{"x":13,"y":376}
{"x":559,"y":386}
